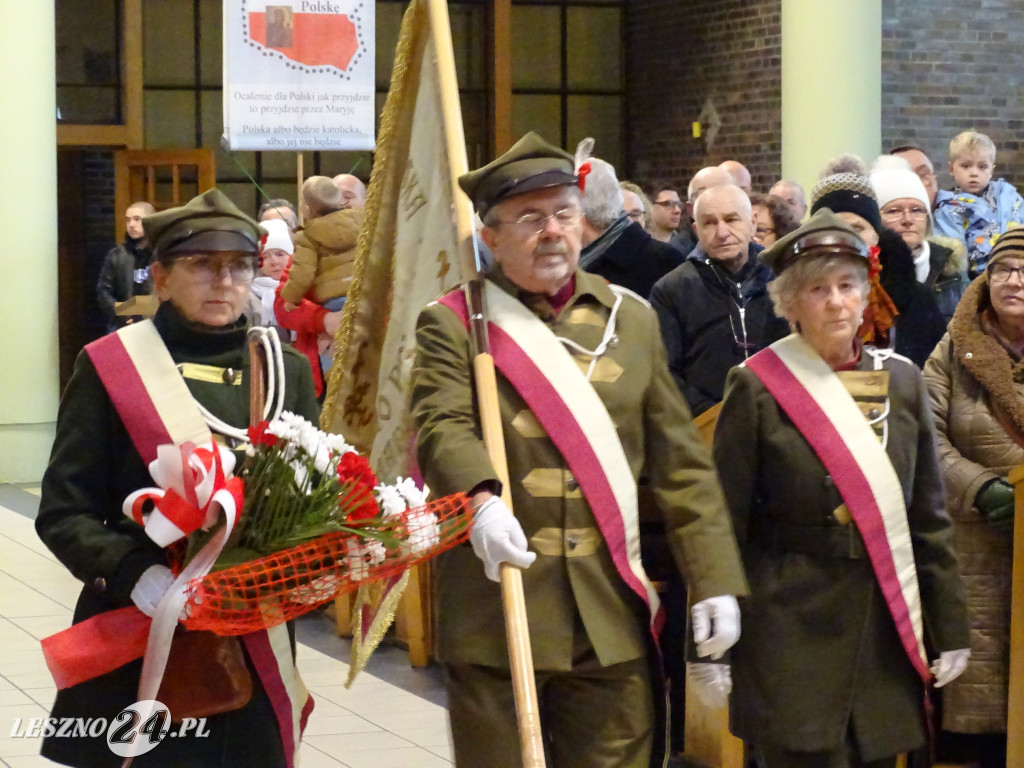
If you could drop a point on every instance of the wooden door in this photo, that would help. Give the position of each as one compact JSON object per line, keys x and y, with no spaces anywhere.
{"x":163,"y":177}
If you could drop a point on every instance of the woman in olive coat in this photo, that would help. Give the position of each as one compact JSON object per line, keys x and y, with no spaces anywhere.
{"x":822,"y":672}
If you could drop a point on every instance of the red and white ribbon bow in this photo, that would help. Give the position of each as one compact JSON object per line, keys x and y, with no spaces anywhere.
{"x":195,"y":484}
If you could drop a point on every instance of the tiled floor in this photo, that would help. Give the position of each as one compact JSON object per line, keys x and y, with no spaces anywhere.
{"x":374,"y":724}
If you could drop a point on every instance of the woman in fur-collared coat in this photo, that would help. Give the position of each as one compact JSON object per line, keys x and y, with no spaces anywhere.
{"x":976,"y":380}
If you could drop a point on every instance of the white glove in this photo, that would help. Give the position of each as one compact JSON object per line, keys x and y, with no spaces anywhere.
{"x":711,"y":682}
{"x":151,"y":586}
{"x":497,"y":537}
{"x":716,"y":625}
{"x":950,"y":665}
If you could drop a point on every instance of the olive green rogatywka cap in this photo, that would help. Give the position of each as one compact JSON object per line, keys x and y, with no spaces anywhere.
{"x":209,"y":222}
{"x":529,"y":165}
{"x":823,"y":234}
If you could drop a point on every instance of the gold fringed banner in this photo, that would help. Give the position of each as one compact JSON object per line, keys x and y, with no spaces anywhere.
{"x":406,"y":258}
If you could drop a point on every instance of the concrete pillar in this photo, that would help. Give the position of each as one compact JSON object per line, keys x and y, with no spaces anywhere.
{"x":29,"y":388}
{"x":831,"y":84}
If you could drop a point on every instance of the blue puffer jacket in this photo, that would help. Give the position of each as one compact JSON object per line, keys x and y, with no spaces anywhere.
{"x":978,"y":220}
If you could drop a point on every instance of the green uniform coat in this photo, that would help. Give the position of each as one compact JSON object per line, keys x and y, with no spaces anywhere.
{"x":93,"y":466}
{"x":819,"y":653}
{"x":659,"y":440}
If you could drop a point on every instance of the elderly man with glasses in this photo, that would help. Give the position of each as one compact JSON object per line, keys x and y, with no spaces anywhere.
{"x":586,"y":403}
{"x":903,"y":202}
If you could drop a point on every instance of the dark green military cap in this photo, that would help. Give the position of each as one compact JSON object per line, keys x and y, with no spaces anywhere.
{"x":209,"y":222}
{"x":530,"y":165}
{"x":823,"y":234}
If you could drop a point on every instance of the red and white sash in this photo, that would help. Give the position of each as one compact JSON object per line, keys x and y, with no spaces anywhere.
{"x":157,"y":409}
{"x":545,"y":375}
{"x":820,"y":407}
{"x":147,"y":390}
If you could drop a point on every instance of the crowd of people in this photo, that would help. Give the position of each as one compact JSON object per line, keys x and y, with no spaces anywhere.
{"x":845,"y":544}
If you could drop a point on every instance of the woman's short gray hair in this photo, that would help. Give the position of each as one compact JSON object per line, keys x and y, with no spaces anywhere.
{"x":786,"y":288}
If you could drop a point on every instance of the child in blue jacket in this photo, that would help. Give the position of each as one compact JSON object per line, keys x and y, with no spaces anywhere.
{"x":978,"y":209}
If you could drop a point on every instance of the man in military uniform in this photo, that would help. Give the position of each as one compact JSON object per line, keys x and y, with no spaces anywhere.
{"x":587,"y":403}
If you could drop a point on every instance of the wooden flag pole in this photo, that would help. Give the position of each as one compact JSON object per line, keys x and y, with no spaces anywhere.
{"x":257,"y":380}
{"x":520,"y":655}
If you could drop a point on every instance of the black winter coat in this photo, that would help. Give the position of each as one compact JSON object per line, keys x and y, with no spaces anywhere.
{"x":93,"y":466}
{"x":698,"y":306}
{"x":919,"y":325}
{"x":118,"y":280}
{"x":636,"y":260}
{"x":947,"y":275}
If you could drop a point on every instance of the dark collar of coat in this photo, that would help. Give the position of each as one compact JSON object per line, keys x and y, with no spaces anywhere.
{"x":981,"y":355}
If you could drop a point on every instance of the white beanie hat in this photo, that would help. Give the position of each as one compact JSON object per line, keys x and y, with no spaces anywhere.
{"x":278,"y":236}
{"x":893,"y":179}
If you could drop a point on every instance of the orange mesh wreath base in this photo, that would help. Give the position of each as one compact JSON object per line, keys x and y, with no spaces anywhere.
{"x":271,"y":590}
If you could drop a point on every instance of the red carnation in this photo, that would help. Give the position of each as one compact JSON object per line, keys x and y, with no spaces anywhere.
{"x":354,"y":468}
{"x":355,"y":474}
{"x":258,"y":435}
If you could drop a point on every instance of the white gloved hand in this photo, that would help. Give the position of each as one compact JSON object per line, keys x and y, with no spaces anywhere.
{"x":497,"y":537}
{"x":151,"y":586}
{"x":711,"y":682}
{"x":950,"y":665}
{"x":716,"y":625}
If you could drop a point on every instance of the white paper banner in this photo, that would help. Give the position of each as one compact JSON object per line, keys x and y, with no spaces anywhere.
{"x":299,"y":76}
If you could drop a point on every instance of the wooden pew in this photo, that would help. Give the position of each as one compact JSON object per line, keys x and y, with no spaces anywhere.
{"x":707,"y":736}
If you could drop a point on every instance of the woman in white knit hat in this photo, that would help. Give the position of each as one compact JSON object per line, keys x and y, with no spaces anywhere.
{"x":275,"y":252}
{"x":940,"y":262}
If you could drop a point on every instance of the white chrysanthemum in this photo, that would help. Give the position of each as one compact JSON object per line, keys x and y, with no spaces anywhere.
{"x":411,"y":492}
{"x":322,"y":460}
{"x":424,"y":532}
{"x":361,"y":557}
{"x":337,"y":443}
{"x":301,"y":476}
{"x":391,"y":502}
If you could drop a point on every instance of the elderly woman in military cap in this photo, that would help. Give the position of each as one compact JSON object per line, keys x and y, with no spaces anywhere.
{"x":825,"y":450}
{"x":130,"y":391}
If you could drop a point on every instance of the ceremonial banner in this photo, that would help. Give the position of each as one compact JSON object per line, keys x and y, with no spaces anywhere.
{"x":300,"y":75}
{"x":407,"y":257}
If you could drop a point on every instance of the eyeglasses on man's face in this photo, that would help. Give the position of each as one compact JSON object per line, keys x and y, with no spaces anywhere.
{"x":671,"y":205}
{"x":762,"y":231}
{"x":536,"y":222}
{"x":896,"y":212}
{"x":637,"y":215}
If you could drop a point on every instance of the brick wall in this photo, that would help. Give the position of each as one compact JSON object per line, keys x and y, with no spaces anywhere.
{"x":949,"y":67}
{"x":678,"y":55}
